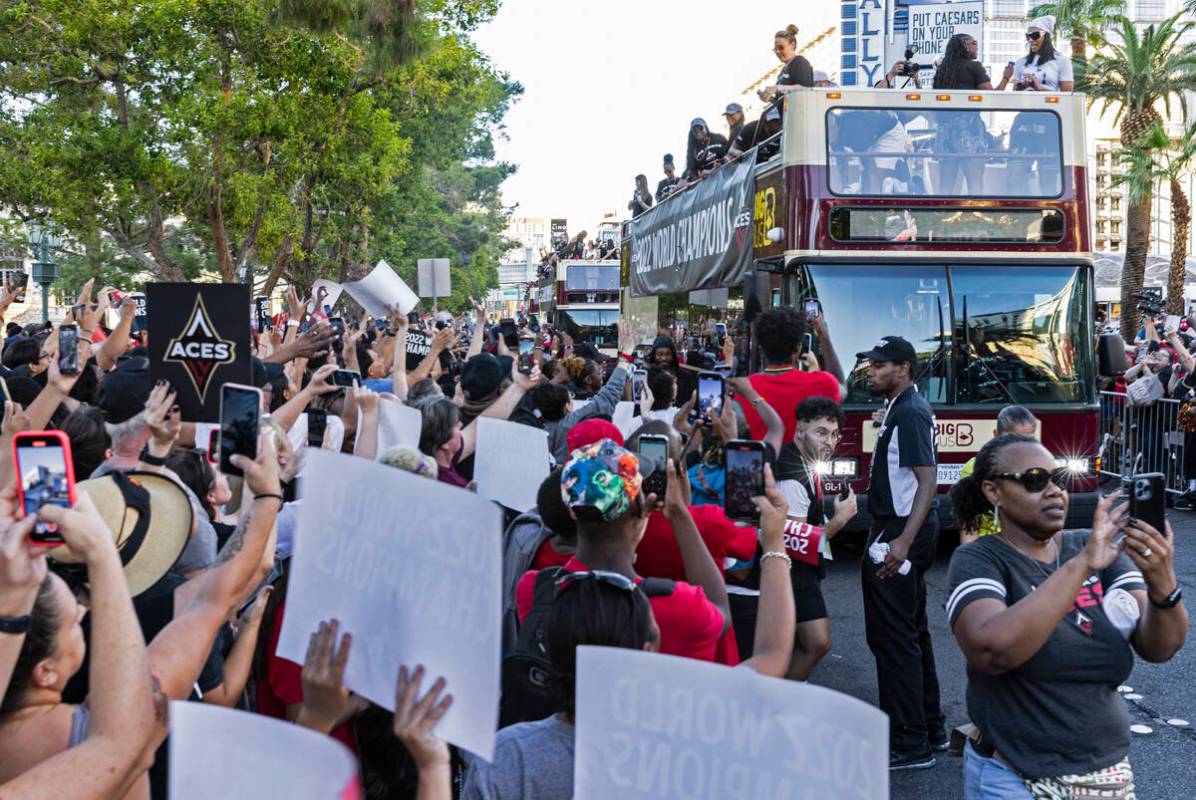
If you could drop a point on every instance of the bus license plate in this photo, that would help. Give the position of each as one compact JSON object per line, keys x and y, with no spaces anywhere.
{"x":949,"y":474}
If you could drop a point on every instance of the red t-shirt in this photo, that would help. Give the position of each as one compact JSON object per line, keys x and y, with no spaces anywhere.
{"x":547,"y":556}
{"x":658,"y":555}
{"x":783,"y":391}
{"x":283,"y":686}
{"x":690,"y":625}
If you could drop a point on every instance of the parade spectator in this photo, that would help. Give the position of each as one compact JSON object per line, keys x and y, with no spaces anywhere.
{"x":902,"y":489}
{"x":670,"y":182}
{"x":641,"y":200}
{"x":1010,"y":419}
{"x":1049,"y":621}
{"x":664,"y":357}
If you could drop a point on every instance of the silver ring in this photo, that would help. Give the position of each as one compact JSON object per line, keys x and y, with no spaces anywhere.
{"x":1146,"y":553}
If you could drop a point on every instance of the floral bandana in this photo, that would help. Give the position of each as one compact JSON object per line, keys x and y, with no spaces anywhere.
{"x":603,"y":477}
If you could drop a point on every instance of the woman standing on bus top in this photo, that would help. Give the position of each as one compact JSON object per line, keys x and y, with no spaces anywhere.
{"x":1043,"y":69}
{"x":797,"y":70}
{"x":961,"y":134}
{"x":1049,"y":621}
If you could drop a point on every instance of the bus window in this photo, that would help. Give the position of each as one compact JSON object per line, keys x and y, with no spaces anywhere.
{"x":944,"y":153}
{"x":591,"y":278}
{"x":967,"y":225}
{"x":596,"y":326}
{"x":1022,"y":335}
{"x":911,"y":302}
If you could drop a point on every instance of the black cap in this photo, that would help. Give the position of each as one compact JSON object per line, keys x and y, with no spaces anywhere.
{"x":125,"y":390}
{"x":892,"y":349}
{"x":481,"y":376}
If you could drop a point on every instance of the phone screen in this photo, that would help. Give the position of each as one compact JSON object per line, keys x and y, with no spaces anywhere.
{"x":526,"y":346}
{"x":338,"y":326}
{"x":657,"y":449}
{"x":813,"y":309}
{"x":346,"y":377}
{"x":43,"y":465}
{"x":710,"y":394}
{"x":317,"y":421}
{"x":744,"y":479}
{"x":639,"y":379}
{"x":240,"y":411}
{"x":68,"y":350}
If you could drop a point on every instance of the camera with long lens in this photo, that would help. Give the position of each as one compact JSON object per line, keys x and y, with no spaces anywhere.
{"x":908,"y":67}
{"x":1150,"y":303}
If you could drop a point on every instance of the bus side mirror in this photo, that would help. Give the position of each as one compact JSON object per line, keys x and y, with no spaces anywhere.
{"x":1110,"y":353}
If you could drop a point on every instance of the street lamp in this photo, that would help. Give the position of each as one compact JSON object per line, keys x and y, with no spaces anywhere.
{"x":44,"y":240}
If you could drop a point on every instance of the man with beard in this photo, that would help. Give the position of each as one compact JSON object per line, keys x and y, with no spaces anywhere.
{"x":819,"y":429}
{"x":901,"y":499}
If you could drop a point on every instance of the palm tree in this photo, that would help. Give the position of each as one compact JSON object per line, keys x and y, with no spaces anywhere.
{"x":1084,"y":21}
{"x":1133,"y":73}
{"x":1171,"y":159}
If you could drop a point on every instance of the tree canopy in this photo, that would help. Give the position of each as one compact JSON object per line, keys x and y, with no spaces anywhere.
{"x":274,"y":139}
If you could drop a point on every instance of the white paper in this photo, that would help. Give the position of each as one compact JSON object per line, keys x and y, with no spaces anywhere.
{"x":411,"y":567}
{"x":398,"y":423}
{"x":381,"y":288}
{"x":334,"y":433}
{"x":511,"y":462}
{"x":624,"y":418}
{"x":333,"y":289}
{"x":219,"y":752}
{"x":650,"y":725}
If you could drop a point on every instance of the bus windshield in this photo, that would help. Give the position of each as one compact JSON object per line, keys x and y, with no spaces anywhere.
{"x":944,"y":153}
{"x":984,"y":334}
{"x":596,"y":326}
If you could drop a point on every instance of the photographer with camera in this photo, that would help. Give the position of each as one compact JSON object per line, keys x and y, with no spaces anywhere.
{"x":903,"y":69}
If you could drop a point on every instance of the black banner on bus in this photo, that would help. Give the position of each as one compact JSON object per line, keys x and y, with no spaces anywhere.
{"x":700,"y":239}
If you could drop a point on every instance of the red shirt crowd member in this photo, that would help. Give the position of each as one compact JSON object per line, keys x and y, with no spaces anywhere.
{"x":602,"y":486}
{"x":779,"y":333}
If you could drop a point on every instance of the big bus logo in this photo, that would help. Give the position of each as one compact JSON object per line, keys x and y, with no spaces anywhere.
{"x":955,"y":434}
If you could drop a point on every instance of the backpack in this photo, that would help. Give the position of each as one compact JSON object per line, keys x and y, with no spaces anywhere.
{"x":527,"y":690}
{"x":520,"y":543}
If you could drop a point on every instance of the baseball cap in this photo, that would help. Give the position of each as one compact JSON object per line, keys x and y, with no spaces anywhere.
{"x":125,"y":390}
{"x":698,"y":122}
{"x":601,"y":481}
{"x":820,"y":76}
{"x":590,"y":431}
{"x":733,"y":108}
{"x":891,"y":349}
{"x":481,"y":376}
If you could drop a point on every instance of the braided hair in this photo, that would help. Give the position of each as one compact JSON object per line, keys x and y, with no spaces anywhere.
{"x":950,"y":71}
{"x":967,"y":498}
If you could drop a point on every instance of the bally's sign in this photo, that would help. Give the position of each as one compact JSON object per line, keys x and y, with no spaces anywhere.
{"x":199,"y":339}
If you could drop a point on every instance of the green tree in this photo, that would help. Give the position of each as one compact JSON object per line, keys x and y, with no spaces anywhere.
{"x":1084,"y":22}
{"x":1133,"y":75}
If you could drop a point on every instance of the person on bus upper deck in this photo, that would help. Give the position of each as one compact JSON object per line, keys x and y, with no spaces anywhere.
{"x":733,"y":114}
{"x":641,"y":201}
{"x":797,"y":71}
{"x":1044,"y":69}
{"x":961,"y":132}
{"x":779,"y":333}
{"x":704,"y":151}
{"x":823,"y":81}
{"x":670,"y":182}
{"x":576,"y":247}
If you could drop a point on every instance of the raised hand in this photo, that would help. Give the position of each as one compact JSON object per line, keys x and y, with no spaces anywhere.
{"x":261,"y":473}
{"x":163,"y":418}
{"x":773,"y":513}
{"x":1103,"y":545}
{"x":84,"y":530}
{"x":416,"y":718}
{"x":22,"y":568}
{"x":326,"y":701}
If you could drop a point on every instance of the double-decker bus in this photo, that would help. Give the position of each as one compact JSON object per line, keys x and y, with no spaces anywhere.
{"x":957,"y":220}
{"x":581,"y":298}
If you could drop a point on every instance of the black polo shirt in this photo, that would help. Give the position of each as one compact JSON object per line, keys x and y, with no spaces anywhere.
{"x":906,"y":440}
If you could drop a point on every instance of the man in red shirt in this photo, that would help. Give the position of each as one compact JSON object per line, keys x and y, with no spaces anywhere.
{"x":779,"y":333}
{"x":601,"y":483}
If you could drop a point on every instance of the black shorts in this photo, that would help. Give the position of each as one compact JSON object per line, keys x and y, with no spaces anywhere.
{"x":807,"y":597}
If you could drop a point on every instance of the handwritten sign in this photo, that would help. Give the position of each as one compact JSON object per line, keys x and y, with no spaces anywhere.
{"x":219,"y":752}
{"x":381,"y":288}
{"x":650,"y":725}
{"x":412,"y":568}
{"x":511,"y":462}
{"x":398,"y":423}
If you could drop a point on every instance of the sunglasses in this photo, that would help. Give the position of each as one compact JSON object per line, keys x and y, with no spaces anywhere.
{"x":615,"y":579}
{"x":1036,"y":479}
{"x":1034,"y":36}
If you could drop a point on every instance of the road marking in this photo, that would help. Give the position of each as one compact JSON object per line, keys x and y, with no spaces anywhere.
{"x":1178,"y":723}
{"x":1142,"y":729}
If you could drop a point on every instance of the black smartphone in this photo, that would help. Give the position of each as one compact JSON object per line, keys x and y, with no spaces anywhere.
{"x":213,"y":454}
{"x":711,"y":391}
{"x":807,"y":344}
{"x":526,"y":347}
{"x":639,"y":379}
{"x":656,"y":448}
{"x":317,"y":422}
{"x":744,"y":479}
{"x":813,"y":309}
{"x":346,"y":378}
{"x":68,"y":349}
{"x":1148,"y":499}
{"x":240,"y":420}
{"x":338,"y":326}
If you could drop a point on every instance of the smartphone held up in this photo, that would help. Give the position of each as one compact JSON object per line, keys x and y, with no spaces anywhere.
{"x":240,"y":421}
{"x":744,"y":471}
{"x":46,"y":477}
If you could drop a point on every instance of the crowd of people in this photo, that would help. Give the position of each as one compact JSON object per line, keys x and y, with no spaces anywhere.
{"x":1042,"y":69}
{"x":183,"y":599}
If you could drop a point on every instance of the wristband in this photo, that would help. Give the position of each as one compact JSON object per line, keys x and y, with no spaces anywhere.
{"x":1171,"y":602}
{"x":153,"y":461}
{"x":776,"y":554}
{"x":630,"y":359}
{"x":292,"y":323}
{"x":15,"y":625}
{"x":271,"y":496}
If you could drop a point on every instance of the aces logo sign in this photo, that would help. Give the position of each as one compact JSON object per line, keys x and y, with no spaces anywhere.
{"x":199,"y":339}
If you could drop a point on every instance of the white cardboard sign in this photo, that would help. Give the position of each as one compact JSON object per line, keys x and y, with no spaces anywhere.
{"x":398,"y":423}
{"x":382,"y":287}
{"x":235,"y":755}
{"x":650,"y":725}
{"x":624,"y":418}
{"x":511,"y":463}
{"x":333,"y":290}
{"x":412,"y":568}
{"x":435,"y":279}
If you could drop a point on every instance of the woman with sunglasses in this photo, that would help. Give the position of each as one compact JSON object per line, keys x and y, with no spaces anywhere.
{"x":1044,"y":69}
{"x":1049,"y":621}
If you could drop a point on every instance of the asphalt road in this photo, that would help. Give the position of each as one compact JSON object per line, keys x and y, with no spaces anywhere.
{"x":1164,"y":761}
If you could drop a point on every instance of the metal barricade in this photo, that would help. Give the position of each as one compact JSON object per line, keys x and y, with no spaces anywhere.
{"x":1137,"y":439}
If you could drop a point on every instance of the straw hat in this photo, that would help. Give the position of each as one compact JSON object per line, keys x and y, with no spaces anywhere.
{"x":149,"y":514}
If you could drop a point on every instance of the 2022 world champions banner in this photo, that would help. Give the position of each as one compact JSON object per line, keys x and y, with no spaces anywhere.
{"x":700,"y":238}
